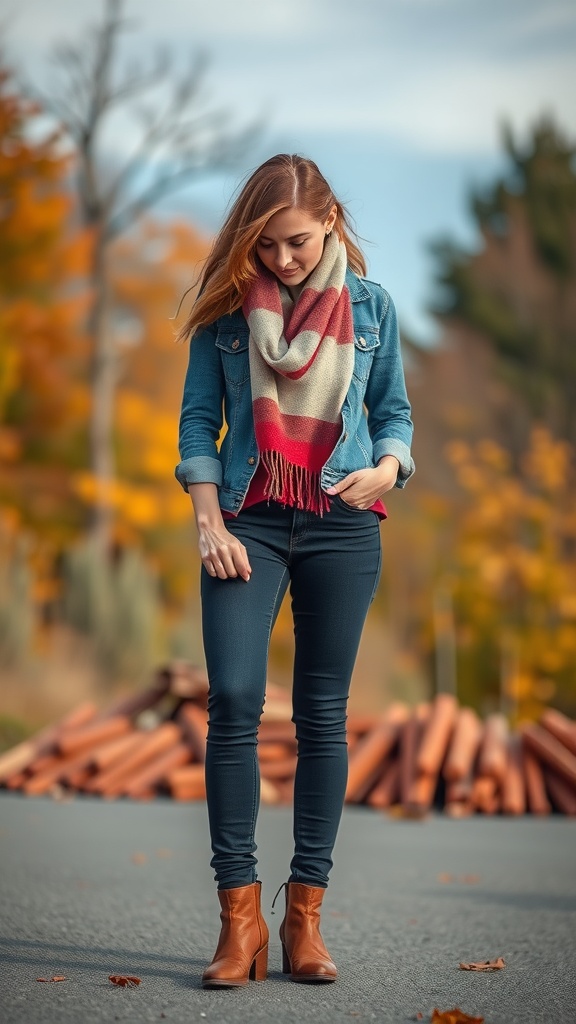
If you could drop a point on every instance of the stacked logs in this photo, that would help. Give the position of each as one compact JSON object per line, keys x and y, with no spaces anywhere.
{"x":146,"y":744}
{"x":443,"y":755}
{"x":408,"y":760}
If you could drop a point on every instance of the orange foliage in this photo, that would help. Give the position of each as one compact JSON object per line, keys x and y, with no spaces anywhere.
{"x":42,"y":262}
{"x":45,"y":361}
{"x":149,"y":270}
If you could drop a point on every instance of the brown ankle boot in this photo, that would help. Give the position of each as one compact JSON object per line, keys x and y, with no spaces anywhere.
{"x":304,"y":955}
{"x":242,"y":951}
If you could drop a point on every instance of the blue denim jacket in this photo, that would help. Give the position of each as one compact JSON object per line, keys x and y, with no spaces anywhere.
{"x":375,"y":415}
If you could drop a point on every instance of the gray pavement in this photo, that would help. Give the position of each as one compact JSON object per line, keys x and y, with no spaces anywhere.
{"x":90,"y":888}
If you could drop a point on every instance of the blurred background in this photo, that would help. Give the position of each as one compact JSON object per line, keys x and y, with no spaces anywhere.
{"x":449,"y":129}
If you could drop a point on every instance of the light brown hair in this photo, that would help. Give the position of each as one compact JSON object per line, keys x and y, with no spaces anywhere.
{"x":284,"y":181}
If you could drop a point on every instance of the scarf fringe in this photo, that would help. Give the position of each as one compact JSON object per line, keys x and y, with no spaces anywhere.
{"x":293,"y":485}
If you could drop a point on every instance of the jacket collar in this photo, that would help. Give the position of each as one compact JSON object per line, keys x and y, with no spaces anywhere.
{"x":356,"y":287}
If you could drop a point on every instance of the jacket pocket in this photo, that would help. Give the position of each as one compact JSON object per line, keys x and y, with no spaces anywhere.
{"x":366,"y":341}
{"x":233,"y":345}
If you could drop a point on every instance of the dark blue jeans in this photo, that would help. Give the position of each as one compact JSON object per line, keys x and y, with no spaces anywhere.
{"x":332,"y":564}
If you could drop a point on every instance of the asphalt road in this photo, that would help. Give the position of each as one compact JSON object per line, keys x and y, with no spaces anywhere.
{"x":90,"y":888}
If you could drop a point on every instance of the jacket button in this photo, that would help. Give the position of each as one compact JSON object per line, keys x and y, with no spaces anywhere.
{"x":251,"y":460}
{"x":235,"y":343}
{"x":362,"y":342}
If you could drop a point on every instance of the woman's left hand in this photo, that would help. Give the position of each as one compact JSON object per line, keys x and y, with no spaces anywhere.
{"x":363,"y":487}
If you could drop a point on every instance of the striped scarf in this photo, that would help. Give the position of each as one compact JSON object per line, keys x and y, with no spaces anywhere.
{"x":301,"y":362}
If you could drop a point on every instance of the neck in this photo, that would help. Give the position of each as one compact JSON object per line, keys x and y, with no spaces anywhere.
{"x":294,"y":291}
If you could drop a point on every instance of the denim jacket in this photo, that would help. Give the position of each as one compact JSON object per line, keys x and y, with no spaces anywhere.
{"x":375,"y":414}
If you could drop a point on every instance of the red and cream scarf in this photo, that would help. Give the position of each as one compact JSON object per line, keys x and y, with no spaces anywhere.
{"x":301,"y":362}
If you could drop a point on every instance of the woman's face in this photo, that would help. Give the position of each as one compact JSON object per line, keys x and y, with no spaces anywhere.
{"x":292,"y":242}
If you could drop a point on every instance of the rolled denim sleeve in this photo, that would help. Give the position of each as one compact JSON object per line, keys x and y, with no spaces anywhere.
{"x":389,"y":412}
{"x":201,"y":414}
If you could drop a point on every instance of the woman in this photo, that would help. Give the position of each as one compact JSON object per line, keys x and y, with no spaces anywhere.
{"x":300,"y":356}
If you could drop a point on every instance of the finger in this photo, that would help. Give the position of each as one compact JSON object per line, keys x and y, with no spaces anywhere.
{"x":242,"y":563}
{"x":219,"y":567}
{"x":347,"y":481}
{"x":340,"y":487}
{"x":359,"y":501}
{"x":225,"y":559}
{"x":230,"y":561}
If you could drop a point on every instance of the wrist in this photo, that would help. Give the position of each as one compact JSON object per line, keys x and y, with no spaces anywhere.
{"x":208,"y":520}
{"x":389,"y":465}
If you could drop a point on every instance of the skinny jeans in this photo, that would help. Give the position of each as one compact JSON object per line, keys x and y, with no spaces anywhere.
{"x":332,"y":565}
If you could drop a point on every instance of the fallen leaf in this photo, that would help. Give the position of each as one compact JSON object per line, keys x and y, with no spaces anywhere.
{"x":485,"y":965}
{"x":445,"y":877}
{"x":419,"y":1016}
{"x":55,"y":977}
{"x":126,"y":980}
{"x":455,"y":1016}
{"x":138,"y":858}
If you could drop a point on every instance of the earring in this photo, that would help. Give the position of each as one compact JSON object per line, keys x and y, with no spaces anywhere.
{"x":328,"y":233}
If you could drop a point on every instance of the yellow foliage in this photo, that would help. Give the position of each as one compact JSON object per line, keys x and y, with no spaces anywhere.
{"x":515,"y":562}
{"x":493,"y":456}
{"x":548,"y":461}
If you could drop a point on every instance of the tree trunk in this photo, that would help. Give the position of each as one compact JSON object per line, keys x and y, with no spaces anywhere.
{"x":103,"y":386}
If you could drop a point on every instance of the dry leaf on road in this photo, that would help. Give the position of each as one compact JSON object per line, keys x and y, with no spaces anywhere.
{"x":485,"y":965}
{"x":55,"y":977}
{"x":126,"y":980}
{"x":455,"y":1016}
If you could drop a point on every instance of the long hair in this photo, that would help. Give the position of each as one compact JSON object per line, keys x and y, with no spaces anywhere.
{"x":284,"y":181}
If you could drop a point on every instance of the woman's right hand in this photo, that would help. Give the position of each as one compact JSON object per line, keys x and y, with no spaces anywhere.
{"x":222,"y":554}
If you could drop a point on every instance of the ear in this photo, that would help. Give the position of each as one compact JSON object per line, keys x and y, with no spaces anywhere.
{"x":330,"y":220}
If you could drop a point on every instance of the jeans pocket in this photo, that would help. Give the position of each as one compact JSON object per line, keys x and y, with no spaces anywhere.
{"x":350,"y":508}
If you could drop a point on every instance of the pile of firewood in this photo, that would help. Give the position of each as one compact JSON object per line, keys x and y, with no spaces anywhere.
{"x":406,"y":760}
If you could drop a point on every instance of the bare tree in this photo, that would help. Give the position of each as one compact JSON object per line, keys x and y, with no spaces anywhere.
{"x":181,"y":137}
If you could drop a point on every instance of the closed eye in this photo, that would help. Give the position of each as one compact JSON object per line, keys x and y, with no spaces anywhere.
{"x":268,"y":245}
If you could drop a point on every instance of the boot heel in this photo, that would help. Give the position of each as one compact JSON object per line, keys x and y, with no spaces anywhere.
{"x":259,"y":968}
{"x":286,"y":968}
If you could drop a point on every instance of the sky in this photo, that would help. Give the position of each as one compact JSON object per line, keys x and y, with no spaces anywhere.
{"x":399,"y":102}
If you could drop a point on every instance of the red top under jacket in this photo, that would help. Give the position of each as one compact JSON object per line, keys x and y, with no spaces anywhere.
{"x":256,"y":493}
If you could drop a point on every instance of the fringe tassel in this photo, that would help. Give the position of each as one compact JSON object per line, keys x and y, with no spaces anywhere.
{"x":293,"y":485}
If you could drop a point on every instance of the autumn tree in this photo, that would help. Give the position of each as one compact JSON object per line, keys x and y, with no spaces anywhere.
{"x":42,"y":265}
{"x":179,"y":137}
{"x":517,"y":289}
{"x":148,"y":271}
{"x":512,"y":575}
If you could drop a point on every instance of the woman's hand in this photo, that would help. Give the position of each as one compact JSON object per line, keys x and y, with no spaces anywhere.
{"x":363,"y":487}
{"x":221,"y":552}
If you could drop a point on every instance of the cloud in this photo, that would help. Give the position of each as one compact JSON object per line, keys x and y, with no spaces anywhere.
{"x":436,"y":75}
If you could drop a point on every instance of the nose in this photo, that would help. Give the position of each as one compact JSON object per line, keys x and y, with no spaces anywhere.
{"x":283,"y":257}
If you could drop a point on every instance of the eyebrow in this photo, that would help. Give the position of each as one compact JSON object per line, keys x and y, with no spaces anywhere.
{"x":303,"y":234}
